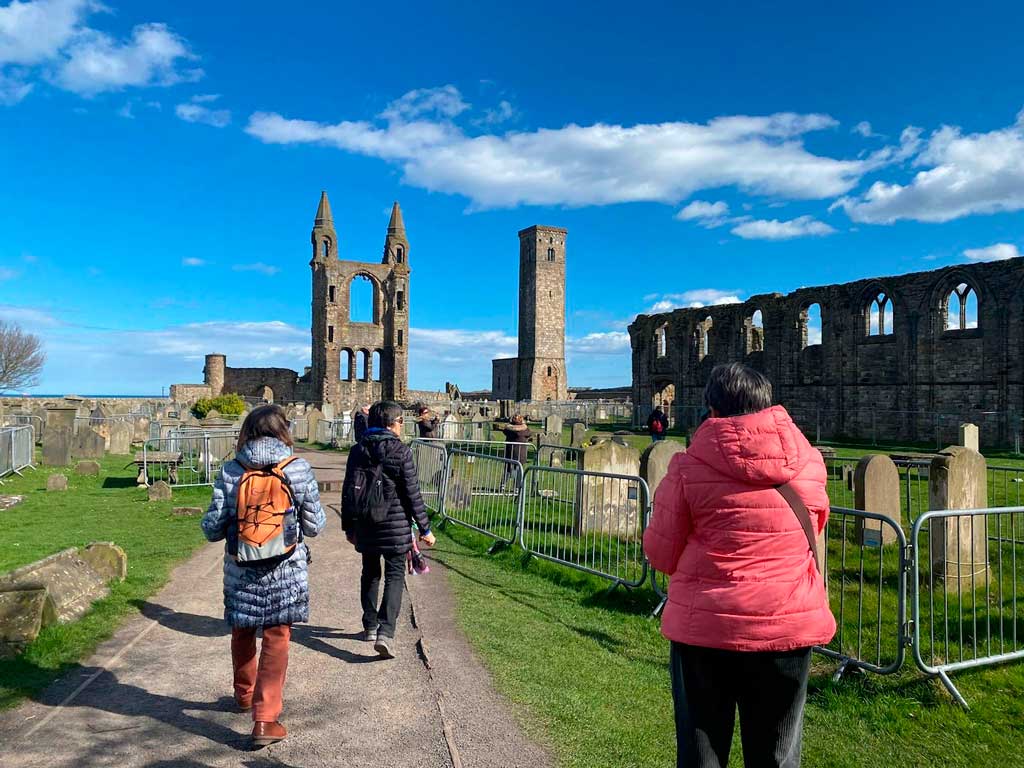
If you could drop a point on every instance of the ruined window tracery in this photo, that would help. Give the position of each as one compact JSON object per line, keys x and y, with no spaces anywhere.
{"x":400,"y":254}
{"x":961,"y":309}
{"x":348,"y":360}
{"x":326,"y":247}
{"x":361,"y":300}
{"x":755,"y":332}
{"x":661,"y":341}
{"x":376,"y":365}
{"x":880,"y":316}
{"x":703,"y":338}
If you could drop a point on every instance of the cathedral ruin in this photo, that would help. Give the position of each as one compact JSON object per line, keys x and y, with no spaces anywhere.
{"x":902,"y":358}
{"x":353,"y":362}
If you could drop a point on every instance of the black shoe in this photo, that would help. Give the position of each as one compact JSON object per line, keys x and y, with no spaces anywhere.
{"x":368,"y":635}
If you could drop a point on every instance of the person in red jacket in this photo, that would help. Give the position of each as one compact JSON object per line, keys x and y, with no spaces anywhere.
{"x":746,"y":601}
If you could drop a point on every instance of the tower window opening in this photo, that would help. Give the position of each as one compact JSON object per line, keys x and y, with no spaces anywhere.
{"x":362,"y":300}
{"x":551,"y":254}
{"x":400,"y":299}
{"x":330,"y":294}
{"x":400,"y":339}
{"x":400,"y":254}
{"x":326,"y":246}
{"x":330,"y":333}
{"x":549,"y":370}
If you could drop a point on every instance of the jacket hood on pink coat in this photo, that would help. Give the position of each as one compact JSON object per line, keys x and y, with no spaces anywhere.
{"x":763,"y":448}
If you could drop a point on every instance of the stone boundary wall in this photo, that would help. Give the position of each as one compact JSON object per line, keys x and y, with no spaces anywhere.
{"x":855,"y":380}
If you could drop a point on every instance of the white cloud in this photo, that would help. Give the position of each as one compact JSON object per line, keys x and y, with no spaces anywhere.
{"x":997,"y":252}
{"x":607,"y":343}
{"x":584,"y":165}
{"x":445,"y":101}
{"x":96,"y":62}
{"x":500,"y":114}
{"x":196,"y":112}
{"x":33,"y":32}
{"x":709,"y":215}
{"x":980,"y":173}
{"x":30,"y":318}
{"x":257,"y":266}
{"x":192,"y":261}
{"x":863,"y":128}
{"x":50,"y":38}
{"x":773,"y":229}
{"x":700,"y":297}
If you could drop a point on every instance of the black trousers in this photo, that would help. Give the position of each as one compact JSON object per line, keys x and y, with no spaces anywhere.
{"x":708,"y":685}
{"x":382,"y":616}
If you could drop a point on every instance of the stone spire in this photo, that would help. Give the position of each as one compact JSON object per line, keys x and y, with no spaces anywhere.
{"x":323,"y":212}
{"x":396,"y":224}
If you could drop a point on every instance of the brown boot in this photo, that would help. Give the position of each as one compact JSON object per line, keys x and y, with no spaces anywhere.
{"x":264,"y":734}
{"x":244,"y":704}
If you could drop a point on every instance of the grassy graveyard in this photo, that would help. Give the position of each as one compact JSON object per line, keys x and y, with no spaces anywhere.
{"x":541,"y":628}
{"x":104,"y":508}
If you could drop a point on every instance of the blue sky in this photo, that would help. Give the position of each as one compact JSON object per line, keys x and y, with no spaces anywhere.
{"x":161,"y":162}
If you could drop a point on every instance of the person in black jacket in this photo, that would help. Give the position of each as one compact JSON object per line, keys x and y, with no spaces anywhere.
{"x":657,"y":424}
{"x":390,"y":539}
{"x":429,"y":425}
{"x":359,"y":422}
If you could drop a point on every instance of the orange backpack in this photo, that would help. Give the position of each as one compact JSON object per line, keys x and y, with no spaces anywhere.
{"x":267,"y":522}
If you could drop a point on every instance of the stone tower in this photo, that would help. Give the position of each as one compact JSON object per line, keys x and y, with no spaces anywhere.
{"x":213,"y":373}
{"x":541,"y":363}
{"x":355,"y":362}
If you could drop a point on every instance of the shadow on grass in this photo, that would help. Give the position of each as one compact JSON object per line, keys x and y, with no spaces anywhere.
{"x":118,"y":482}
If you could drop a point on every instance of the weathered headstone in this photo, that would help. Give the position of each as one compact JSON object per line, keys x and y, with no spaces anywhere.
{"x":21,"y":618}
{"x":159,"y":491}
{"x":87,"y":468}
{"x":553,"y":423}
{"x":654,"y":462}
{"x":87,"y":444}
{"x":579,"y":434}
{"x":57,"y":483}
{"x":140,"y":429}
{"x":107,"y":559}
{"x":120,"y":438}
{"x":57,"y":446}
{"x":970,"y":437}
{"x":606,"y":504}
{"x":187,"y":511}
{"x":876,"y":488}
{"x":313,"y":417}
{"x":959,"y":545}
{"x":328,"y":411}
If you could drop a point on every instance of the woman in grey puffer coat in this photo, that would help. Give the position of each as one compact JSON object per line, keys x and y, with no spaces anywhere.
{"x":271,"y":597}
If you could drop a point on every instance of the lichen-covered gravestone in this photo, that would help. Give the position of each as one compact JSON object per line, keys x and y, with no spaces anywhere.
{"x":87,"y":468}
{"x":57,"y":483}
{"x":57,"y":446}
{"x":579,"y":434}
{"x":958,"y":479}
{"x":88,"y":444}
{"x":553,"y":423}
{"x":120,"y":438}
{"x":876,"y":488}
{"x":607,"y":504}
{"x":654,"y":462}
{"x":159,"y":491}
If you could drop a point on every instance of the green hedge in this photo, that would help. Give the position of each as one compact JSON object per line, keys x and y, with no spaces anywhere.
{"x":225,"y":405}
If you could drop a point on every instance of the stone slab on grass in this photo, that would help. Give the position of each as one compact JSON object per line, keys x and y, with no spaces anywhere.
{"x":89,"y":468}
{"x":159,"y":491}
{"x":57,"y":483}
{"x":187,"y":511}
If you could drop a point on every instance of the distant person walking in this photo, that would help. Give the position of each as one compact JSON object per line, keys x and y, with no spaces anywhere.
{"x":657,"y":424}
{"x":359,"y":422}
{"x":734,"y":525}
{"x":380,"y":501}
{"x":428,"y":424}
{"x":265,"y":502}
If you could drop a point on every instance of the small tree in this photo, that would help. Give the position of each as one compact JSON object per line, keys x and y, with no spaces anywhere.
{"x":21,"y":357}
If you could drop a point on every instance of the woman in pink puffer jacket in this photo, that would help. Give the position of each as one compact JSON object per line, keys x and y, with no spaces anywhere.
{"x":746,"y":601}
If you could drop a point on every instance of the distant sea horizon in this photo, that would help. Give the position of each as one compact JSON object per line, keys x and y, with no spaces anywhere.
{"x":86,"y":396}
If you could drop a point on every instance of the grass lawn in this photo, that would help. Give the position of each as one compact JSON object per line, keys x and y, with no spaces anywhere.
{"x":104,"y":508}
{"x":589,"y":674}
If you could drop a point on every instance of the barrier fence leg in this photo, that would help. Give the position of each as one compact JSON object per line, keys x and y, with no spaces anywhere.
{"x":948,"y":684}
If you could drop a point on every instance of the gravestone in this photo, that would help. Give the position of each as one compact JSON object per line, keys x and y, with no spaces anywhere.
{"x":605,"y":504}
{"x":479,"y":425}
{"x":187,"y":511}
{"x":159,"y":491}
{"x":553,"y":423}
{"x":58,"y":416}
{"x":87,"y":444}
{"x":140,"y":429}
{"x":57,"y":446}
{"x":579,"y":434}
{"x":120,"y":438}
{"x":654,"y":462}
{"x":87,"y":468}
{"x":57,"y":483}
{"x":876,"y":488}
{"x":21,"y":618}
{"x":313,"y":417}
{"x":958,"y":479}
{"x":970,"y":437}
{"x":328,"y":411}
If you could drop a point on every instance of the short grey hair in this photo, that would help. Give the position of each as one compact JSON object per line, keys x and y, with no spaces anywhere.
{"x":734,"y":389}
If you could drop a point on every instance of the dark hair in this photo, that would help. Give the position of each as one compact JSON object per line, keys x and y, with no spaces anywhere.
{"x":384,"y":414}
{"x":265,"y":421}
{"x":734,"y":389}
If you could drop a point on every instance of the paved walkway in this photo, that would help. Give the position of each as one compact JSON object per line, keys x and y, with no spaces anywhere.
{"x":158,"y":693}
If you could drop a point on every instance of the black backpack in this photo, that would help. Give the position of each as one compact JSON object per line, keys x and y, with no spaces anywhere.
{"x":371,"y":492}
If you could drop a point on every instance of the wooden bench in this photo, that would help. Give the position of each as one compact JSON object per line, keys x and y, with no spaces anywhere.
{"x":169,"y":459}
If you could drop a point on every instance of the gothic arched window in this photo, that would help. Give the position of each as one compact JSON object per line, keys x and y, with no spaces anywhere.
{"x":326,"y":245}
{"x":400,"y":254}
{"x":880,"y":316}
{"x":961,"y":309}
{"x":551,"y":254}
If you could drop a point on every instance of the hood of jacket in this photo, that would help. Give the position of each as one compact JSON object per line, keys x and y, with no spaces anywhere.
{"x":263,"y":452}
{"x":378,"y":443}
{"x":764,"y":448}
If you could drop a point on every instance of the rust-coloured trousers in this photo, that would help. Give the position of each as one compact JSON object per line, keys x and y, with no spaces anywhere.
{"x":261,"y":677}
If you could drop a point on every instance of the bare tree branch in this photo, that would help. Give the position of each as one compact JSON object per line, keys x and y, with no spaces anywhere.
{"x":21,"y":357}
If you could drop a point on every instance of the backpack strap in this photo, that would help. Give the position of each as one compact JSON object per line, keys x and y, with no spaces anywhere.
{"x":788,"y":492}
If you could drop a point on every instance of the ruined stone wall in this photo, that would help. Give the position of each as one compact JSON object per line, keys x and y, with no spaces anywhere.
{"x":189,"y":393}
{"x":283,"y":384}
{"x":893,"y":361}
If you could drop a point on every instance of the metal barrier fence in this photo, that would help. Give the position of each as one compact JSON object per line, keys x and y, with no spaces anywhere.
{"x":559,"y":456}
{"x":482,"y":492}
{"x":865,"y":574}
{"x":968,"y":568}
{"x":186,"y":459}
{"x":1005,"y":486}
{"x":334,"y":432}
{"x":591,"y":521}
{"x":17,"y":446}
{"x":431,"y":461}
{"x":496,"y":448}
{"x":24,"y":419}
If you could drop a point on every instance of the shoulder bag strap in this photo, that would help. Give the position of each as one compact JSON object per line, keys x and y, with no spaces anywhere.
{"x":788,"y":492}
